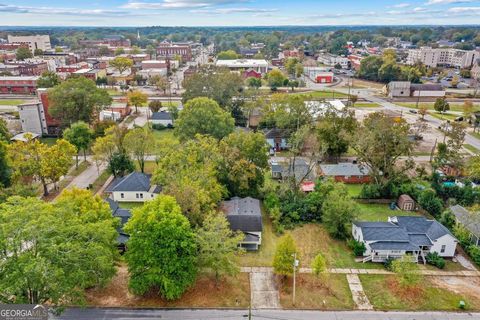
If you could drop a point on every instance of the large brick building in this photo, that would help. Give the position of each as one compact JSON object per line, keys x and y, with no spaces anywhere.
{"x":169,"y":50}
{"x":29,"y":68}
{"x":18,"y":85}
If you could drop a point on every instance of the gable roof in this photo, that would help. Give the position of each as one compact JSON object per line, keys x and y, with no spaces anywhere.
{"x":162,"y":115}
{"x":420,"y":225}
{"x":124,"y":215}
{"x":344,"y":169}
{"x":470,"y":221}
{"x":276,"y":133}
{"x":134,"y":181}
{"x":243,"y":214}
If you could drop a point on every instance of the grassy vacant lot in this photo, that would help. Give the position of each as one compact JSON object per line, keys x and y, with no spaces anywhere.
{"x":429,"y":105}
{"x":11,"y":102}
{"x":310,"y":239}
{"x":471,"y":148}
{"x":313,"y":293}
{"x":384,"y":294}
{"x":324,"y":94}
{"x":366,"y":105}
{"x":231,"y":292}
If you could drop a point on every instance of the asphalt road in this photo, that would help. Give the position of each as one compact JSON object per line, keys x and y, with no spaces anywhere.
{"x":202,"y":314}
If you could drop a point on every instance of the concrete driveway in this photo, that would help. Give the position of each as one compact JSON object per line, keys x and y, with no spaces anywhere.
{"x":264,"y":292}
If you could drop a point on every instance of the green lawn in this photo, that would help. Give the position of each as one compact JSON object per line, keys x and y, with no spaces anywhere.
{"x":475,"y":134}
{"x":100,"y":181}
{"x":48,"y":141}
{"x":471,"y":148}
{"x":150,"y":166}
{"x":380,"y":212}
{"x":161,"y":134}
{"x":354,"y":189}
{"x":130,"y":205}
{"x":444,"y":116}
{"x":381,"y":292}
{"x":324,"y":94}
{"x":429,"y":105}
{"x":366,"y":105}
{"x":11,"y":102}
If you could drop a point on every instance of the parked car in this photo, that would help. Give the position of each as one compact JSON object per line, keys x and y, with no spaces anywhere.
{"x":413,"y":111}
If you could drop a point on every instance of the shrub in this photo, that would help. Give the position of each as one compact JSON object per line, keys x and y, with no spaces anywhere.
{"x":357,"y":247}
{"x":474,"y":252}
{"x":429,"y":201}
{"x":158,"y":126}
{"x":388,"y":264}
{"x":319,"y":265}
{"x":407,"y":272}
{"x":447,"y":219}
{"x":371,"y":191}
{"x":435,"y":260}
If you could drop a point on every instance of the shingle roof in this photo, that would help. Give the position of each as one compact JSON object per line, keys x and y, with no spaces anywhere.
{"x":426,"y":87}
{"x":420,"y":240}
{"x":243,"y":214}
{"x":162,"y":115}
{"x":420,"y":225}
{"x":388,"y":245}
{"x":135,"y":181}
{"x":470,"y":221}
{"x":382,"y":233}
{"x":124,"y":215}
{"x":344,"y":169}
{"x":276,"y":133}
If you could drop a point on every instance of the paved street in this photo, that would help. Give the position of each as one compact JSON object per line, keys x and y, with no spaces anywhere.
{"x":197,"y":314}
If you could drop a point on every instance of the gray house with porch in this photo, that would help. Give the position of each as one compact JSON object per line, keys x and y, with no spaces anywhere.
{"x":469,"y":220}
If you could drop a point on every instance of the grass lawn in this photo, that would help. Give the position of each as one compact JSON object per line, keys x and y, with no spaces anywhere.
{"x":475,"y":134}
{"x":324,"y":94}
{"x":444,"y":116}
{"x":100,"y":181}
{"x":449,"y":266}
{"x":379,"y":212}
{"x":11,"y":102}
{"x":165,"y":133}
{"x":231,"y":292}
{"x":354,"y":189}
{"x":429,"y":105}
{"x":471,"y":148}
{"x":366,"y":105}
{"x":48,"y":141}
{"x":150,"y":167}
{"x":130,"y":205}
{"x":313,"y":293}
{"x":382,"y":293}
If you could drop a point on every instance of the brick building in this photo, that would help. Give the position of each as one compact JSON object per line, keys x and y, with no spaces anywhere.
{"x":18,"y":85}
{"x":169,"y":50}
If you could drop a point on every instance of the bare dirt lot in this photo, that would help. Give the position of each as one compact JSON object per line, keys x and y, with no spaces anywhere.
{"x":465,"y":286}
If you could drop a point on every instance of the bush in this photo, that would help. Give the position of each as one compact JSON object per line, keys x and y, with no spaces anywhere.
{"x":158,"y":126}
{"x":371,"y":191}
{"x":388,"y":264}
{"x":435,"y":260}
{"x":429,"y":201}
{"x":357,"y":247}
{"x":319,"y":265}
{"x":474,"y":252}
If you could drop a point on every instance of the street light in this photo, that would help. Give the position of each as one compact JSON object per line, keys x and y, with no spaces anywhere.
{"x":295,"y":265}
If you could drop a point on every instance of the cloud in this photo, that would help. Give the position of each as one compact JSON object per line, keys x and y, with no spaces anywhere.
{"x":430,"y":2}
{"x":233,"y":10}
{"x":401,"y":5}
{"x":178,"y":4}
{"x":464,"y":10}
{"x":61,"y":11}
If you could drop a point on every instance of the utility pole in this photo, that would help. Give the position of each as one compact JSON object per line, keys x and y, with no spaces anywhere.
{"x":295,"y":265}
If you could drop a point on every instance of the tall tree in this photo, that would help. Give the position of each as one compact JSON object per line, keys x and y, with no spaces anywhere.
{"x":81,"y":136}
{"x":139,"y":142}
{"x":339,"y":211}
{"x":5,"y":170}
{"x":137,"y":98}
{"x":23,"y":53}
{"x":48,"y":79}
{"x":121,"y":64}
{"x":4,"y":133}
{"x":227,"y":55}
{"x":38,"y":264}
{"x":77,"y":99}
{"x":161,"y":249}
{"x":441,"y":105}
{"x":283,"y":259}
{"x":203,"y":116}
{"x":218,"y":246}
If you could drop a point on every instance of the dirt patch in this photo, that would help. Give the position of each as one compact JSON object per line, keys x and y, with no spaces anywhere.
{"x":410,"y":293}
{"x":469,"y":286}
{"x":230,"y":292}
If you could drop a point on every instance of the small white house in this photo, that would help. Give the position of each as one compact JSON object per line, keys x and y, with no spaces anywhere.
{"x":412,"y":235}
{"x":163,"y":118}
{"x":134,"y":187}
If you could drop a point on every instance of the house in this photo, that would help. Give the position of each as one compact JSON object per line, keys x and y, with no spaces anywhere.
{"x":399,"y":236}
{"x":346,"y":172}
{"x":25,"y":137}
{"x":134,"y":187}
{"x":277,"y":139}
{"x":259,"y":65}
{"x":469,"y":220}
{"x":250,"y":73}
{"x":245,"y":215}
{"x":406,"y":203}
{"x":284,"y":170}
{"x":398,"y":89}
{"x":124,"y":215}
{"x":162,"y":118}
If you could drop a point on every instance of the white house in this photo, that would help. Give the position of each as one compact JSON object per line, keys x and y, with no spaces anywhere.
{"x":163,"y":118}
{"x":416,"y":236}
{"x":135,"y":187}
{"x":259,"y":65}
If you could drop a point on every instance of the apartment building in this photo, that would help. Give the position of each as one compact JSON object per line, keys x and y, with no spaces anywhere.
{"x":442,"y":57}
{"x":259,"y":65}
{"x":169,"y":50}
{"x":332,"y":60}
{"x":41,"y":42}
{"x":19,"y":85}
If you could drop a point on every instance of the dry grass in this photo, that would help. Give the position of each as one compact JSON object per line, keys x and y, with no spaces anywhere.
{"x":232,"y":292}
{"x":331,"y":293}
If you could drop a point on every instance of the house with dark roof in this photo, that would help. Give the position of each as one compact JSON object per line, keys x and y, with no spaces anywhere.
{"x":346,"y":172}
{"x":164,"y":118}
{"x":277,"y":139}
{"x":404,"y":235}
{"x":300,"y":169}
{"x":469,"y":220}
{"x":123,"y":215}
{"x":245,"y":215}
{"x":134,"y":187}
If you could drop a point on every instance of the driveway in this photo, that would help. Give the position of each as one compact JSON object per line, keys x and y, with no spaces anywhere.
{"x":264,"y":292}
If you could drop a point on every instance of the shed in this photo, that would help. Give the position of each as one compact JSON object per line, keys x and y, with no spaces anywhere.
{"x":406,"y":203}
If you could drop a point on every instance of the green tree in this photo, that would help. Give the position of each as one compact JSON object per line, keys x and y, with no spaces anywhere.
{"x":227,"y":55}
{"x":5,"y":170}
{"x":48,"y":79}
{"x":473,"y":168}
{"x":429,"y":201}
{"x":283,"y":259}
{"x":161,"y":83}
{"x":50,"y":269}
{"x":275,"y":78}
{"x":369,"y":68}
{"x":155,"y":105}
{"x":4,"y":133}
{"x":218,"y":246}
{"x":37,"y":52}
{"x":254,"y":82}
{"x":161,"y":249}
{"x":119,"y":51}
{"x":339,"y":211}
{"x":77,"y":99}
{"x":81,"y":136}
{"x":290,"y":65}
{"x":203,"y":116}
{"x":139,"y":142}
{"x":441,"y":105}
{"x":408,"y":273}
{"x":319,"y":266}
{"x":23,"y":53}
{"x":120,"y":164}
{"x":137,"y":98}
{"x":121,"y":63}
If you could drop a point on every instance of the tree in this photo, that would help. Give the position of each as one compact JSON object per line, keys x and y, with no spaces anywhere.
{"x":290,"y":65}
{"x":161,"y":250}
{"x":23,"y":53}
{"x":254,"y":82}
{"x":203,"y":116}
{"x":293,"y":84}
{"x":473,"y":168}
{"x":119,"y":51}
{"x":423,"y":111}
{"x":38,"y":265}
{"x":81,"y":136}
{"x":121,"y":63}
{"x":429,"y":201}
{"x":275,"y":79}
{"x":161,"y":83}
{"x":103,"y":51}
{"x":218,"y":246}
{"x":283,"y":259}
{"x":37,"y":52}
{"x":77,"y":99}
{"x":48,"y":79}
{"x":467,"y":109}
{"x":155,"y":105}
{"x":455,"y":81}
{"x":379,"y":142}
{"x":137,"y":98}
{"x":319,"y":265}
{"x":120,"y":164}
{"x":5,"y":170}
{"x":441,"y":105}
{"x":339,"y":211}
{"x":139,"y":142}
{"x":4,"y":133}
{"x":353,"y":99}
{"x":369,"y":68}
{"x":408,"y":272}
{"x":227,"y":55}
{"x":299,"y":70}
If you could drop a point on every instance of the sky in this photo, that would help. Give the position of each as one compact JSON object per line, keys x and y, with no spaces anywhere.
{"x":237,"y":12}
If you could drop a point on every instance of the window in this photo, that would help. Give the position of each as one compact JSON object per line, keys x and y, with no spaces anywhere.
{"x":443,"y":249}
{"x":141,"y":195}
{"x":122,"y":195}
{"x":137,"y":196}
